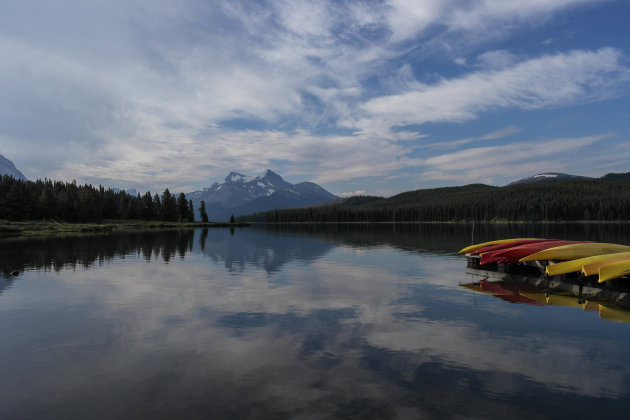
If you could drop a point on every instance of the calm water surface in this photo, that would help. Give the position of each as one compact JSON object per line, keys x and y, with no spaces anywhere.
{"x":336,"y":322}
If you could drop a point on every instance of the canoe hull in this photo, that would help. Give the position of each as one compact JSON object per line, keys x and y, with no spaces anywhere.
{"x":574,"y":266}
{"x":575,"y":251}
{"x":593,"y":268}
{"x":472,"y":248}
{"x":614,"y":270}
{"x":513,"y":255}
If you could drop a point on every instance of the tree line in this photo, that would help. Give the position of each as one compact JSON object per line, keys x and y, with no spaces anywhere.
{"x":571,"y":200}
{"x":67,"y":201}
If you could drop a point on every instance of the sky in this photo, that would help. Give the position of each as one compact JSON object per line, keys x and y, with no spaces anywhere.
{"x":361,"y":97}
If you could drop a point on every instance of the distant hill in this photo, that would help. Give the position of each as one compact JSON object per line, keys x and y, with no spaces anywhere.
{"x":558,"y":176}
{"x":241,"y":194}
{"x":616,"y":177}
{"x":8,"y":168}
{"x":572,"y":198}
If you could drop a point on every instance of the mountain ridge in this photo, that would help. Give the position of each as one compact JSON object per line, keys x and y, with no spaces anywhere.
{"x":242,"y":194}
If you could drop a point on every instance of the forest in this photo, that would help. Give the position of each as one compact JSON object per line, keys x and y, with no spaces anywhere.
{"x":69,"y":202}
{"x":603,"y":199}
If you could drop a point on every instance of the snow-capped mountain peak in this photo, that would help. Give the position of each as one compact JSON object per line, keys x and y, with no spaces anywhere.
{"x":237,"y":192}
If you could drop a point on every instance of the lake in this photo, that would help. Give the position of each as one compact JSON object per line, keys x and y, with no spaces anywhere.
{"x":312,"y":322}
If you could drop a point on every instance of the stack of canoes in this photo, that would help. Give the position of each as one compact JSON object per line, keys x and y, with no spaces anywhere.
{"x":608,"y":261}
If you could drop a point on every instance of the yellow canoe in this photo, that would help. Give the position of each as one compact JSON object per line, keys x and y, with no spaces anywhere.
{"x":574,"y":251}
{"x":593,"y":268}
{"x":573,"y":266}
{"x":475,"y":247}
{"x":614,"y":270}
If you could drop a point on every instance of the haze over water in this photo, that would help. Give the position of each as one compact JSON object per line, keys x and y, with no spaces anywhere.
{"x":318,"y":322}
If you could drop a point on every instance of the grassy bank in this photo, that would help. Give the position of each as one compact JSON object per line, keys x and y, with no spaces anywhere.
{"x":49,"y":228}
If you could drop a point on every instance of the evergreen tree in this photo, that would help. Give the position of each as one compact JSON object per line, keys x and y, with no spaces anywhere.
{"x":232,"y":219}
{"x":169,"y":206}
{"x":202,"y":212}
{"x":157,"y":208}
{"x":182,"y":208}
{"x":191,"y":211}
{"x":147,"y":210}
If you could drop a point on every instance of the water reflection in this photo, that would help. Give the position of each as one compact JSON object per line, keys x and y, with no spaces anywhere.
{"x":322,"y":323}
{"x":62,"y":253}
{"x":522,"y":294}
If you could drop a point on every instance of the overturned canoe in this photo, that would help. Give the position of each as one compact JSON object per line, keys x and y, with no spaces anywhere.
{"x":574,"y":251}
{"x":506,"y":245}
{"x":512,"y":255}
{"x":614,"y":270}
{"x":472,"y":248}
{"x":593,"y":268}
{"x":574,"y":266}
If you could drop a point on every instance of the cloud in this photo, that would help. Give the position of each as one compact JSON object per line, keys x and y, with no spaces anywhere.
{"x":351,"y":194}
{"x":498,"y":134}
{"x":167,"y":94}
{"x":478,"y":18}
{"x":506,"y":163}
{"x":496,"y":60}
{"x":545,"y":82}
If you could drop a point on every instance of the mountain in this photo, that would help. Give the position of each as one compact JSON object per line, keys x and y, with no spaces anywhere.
{"x":8,"y":168}
{"x":241,"y":194}
{"x":547,"y":176}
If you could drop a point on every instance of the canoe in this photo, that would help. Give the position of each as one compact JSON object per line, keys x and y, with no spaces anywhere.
{"x":573,"y":266}
{"x":576,"y":250}
{"x":472,"y":248}
{"x":614,"y":270}
{"x":593,"y":268}
{"x":512,"y":255}
{"x":510,"y":244}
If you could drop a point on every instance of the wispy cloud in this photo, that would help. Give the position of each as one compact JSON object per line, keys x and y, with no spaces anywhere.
{"x":498,"y":134}
{"x":549,"y":81}
{"x":505,"y":163}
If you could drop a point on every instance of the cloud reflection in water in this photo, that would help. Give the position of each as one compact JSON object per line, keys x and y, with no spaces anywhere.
{"x":319,"y":327}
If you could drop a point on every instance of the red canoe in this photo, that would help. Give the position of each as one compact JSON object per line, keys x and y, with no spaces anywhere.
{"x":510,"y":244}
{"x":512,"y":255}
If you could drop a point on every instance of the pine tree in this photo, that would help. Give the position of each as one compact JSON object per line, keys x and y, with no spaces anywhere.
{"x":147,"y":209}
{"x":202,"y":212}
{"x":191,"y":211}
{"x":182,"y":208}
{"x":169,"y":206}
